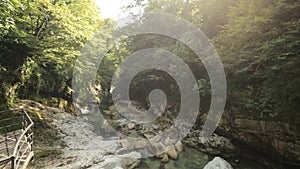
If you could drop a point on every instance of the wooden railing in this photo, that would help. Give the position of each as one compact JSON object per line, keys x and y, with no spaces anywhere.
{"x":16,"y":139}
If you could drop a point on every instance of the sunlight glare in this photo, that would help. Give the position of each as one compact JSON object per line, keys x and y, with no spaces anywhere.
{"x":113,"y":8}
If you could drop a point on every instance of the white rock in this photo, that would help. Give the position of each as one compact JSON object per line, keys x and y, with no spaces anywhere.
{"x":125,"y":143}
{"x":168,"y":141}
{"x":172,"y":153}
{"x":140,"y":144}
{"x":107,"y":112}
{"x":218,"y":163}
{"x":179,"y":146}
{"x":112,"y":108}
{"x":131,"y":125}
{"x":155,"y":127}
{"x":165,"y":158}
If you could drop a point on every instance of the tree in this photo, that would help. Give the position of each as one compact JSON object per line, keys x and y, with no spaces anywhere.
{"x":48,"y":35}
{"x":260,"y":47}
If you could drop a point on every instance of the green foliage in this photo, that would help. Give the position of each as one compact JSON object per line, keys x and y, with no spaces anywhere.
{"x":260,"y":47}
{"x":258,"y":41}
{"x":209,"y":15}
{"x":7,"y":12}
{"x":48,"y":36}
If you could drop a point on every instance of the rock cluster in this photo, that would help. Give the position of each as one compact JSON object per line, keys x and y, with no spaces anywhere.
{"x":164,"y":148}
{"x":215,"y":145}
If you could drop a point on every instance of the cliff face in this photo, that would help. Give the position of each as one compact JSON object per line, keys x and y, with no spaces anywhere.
{"x":271,"y":139}
{"x":262,"y":113}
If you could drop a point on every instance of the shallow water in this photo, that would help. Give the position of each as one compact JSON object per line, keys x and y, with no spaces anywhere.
{"x":194,"y":159}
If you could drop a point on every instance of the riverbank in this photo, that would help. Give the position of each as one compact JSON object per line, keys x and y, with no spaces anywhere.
{"x":63,"y":141}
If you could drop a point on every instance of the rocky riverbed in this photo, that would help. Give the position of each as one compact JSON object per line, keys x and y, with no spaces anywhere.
{"x":83,"y":142}
{"x":84,"y":148}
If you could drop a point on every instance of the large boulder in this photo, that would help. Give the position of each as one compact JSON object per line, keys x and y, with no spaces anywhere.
{"x":218,"y":163}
